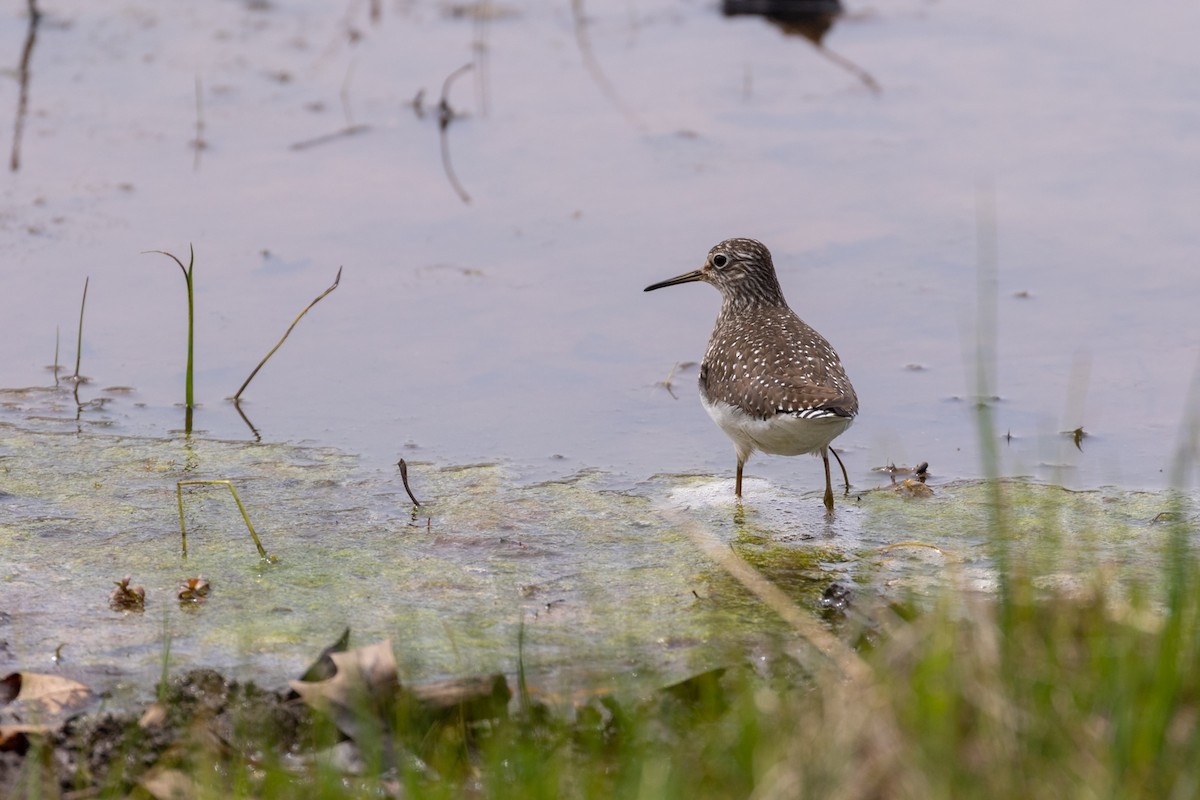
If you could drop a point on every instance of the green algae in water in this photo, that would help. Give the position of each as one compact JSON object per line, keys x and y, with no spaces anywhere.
{"x":607,"y":583}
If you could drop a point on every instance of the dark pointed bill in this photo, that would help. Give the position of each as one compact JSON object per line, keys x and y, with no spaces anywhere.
{"x":687,"y":277}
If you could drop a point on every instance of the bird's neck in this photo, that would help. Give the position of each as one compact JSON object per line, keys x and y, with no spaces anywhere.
{"x":736,"y":304}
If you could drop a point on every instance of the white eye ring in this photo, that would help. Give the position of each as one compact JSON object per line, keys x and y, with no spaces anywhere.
{"x":719,"y":260}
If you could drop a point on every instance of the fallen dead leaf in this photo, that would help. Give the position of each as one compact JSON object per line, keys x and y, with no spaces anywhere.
{"x":366,"y":682}
{"x":44,"y":697}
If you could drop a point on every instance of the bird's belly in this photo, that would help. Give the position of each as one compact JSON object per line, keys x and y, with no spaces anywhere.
{"x":782,"y":434}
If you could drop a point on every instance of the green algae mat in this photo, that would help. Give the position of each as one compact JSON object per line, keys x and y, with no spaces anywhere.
{"x":608,"y":584}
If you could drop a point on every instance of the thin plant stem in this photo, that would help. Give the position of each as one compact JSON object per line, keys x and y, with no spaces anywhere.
{"x":166,"y":660}
{"x":79,"y":339}
{"x":23,"y":76}
{"x":445,"y":116}
{"x":189,"y":386}
{"x":522,"y":684}
{"x":241,"y":508}
{"x":287,"y":333}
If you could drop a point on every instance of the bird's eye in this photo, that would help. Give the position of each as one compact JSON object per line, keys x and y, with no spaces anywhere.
{"x":720,"y":260}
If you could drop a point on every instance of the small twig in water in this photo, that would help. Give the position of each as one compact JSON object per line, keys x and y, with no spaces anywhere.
{"x":445,"y":116}
{"x":350,"y":130}
{"x":404,"y":477}
{"x":23,"y":73}
{"x":325,"y":138}
{"x":287,"y":333}
{"x":245,"y":517}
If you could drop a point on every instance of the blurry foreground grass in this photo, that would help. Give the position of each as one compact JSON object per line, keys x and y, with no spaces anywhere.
{"x":1029,"y":691}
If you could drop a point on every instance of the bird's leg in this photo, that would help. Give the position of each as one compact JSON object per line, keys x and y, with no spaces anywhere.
{"x":845,"y":477}
{"x":828,"y":482}
{"x":737,"y":488}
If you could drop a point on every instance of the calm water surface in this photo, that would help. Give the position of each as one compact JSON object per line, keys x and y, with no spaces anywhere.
{"x":600,"y":156}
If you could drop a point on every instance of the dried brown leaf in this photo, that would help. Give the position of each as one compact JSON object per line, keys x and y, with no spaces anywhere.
{"x":363,"y":688}
{"x":42,"y":696}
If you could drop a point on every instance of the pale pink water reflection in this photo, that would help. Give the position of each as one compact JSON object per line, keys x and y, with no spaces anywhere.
{"x":514,"y":327}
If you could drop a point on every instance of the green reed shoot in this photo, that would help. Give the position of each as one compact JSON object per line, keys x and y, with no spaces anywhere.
{"x":189,"y":392}
{"x":241,"y":508}
{"x":79,"y":340}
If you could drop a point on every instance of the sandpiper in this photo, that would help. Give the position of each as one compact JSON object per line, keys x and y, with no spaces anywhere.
{"x":769,"y":380}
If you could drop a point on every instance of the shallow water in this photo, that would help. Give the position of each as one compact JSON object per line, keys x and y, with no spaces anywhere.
{"x":612,"y":586}
{"x":514,"y":327}
{"x":599,"y":156}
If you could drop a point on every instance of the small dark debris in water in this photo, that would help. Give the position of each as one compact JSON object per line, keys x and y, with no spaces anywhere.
{"x":810,"y":19}
{"x":783,"y":9}
{"x":349,"y":130}
{"x":913,"y":367}
{"x":126,"y":597}
{"x":446,"y":115}
{"x":480,"y":11}
{"x":1008,"y":437}
{"x":404,"y":477}
{"x":1024,"y":294}
{"x":836,"y":597}
{"x":193,"y":590}
{"x":1077,"y":437}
